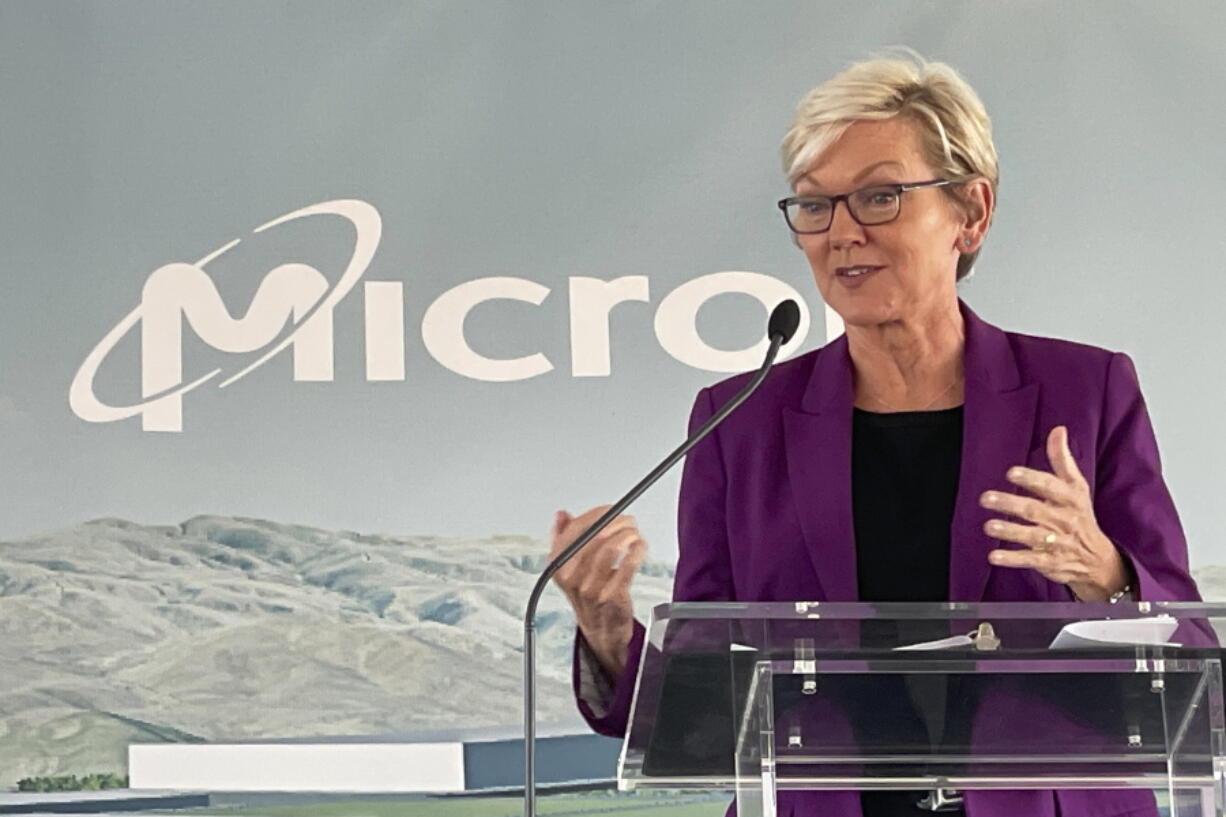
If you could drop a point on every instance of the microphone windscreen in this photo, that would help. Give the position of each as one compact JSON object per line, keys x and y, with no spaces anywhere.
{"x":784,"y":321}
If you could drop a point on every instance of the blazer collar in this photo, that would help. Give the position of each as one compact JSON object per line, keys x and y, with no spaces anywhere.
{"x":988,"y":361}
{"x":998,"y":424}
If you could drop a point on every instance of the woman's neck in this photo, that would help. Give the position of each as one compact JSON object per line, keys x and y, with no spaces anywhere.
{"x":910,"y":365}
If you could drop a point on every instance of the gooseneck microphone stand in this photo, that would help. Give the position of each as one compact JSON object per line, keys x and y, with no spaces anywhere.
{"x":784,"y":320}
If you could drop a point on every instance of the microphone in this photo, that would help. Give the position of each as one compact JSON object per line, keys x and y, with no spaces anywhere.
{"x":784,"y":320}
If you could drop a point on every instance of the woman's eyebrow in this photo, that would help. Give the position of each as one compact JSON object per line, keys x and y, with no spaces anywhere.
{"x":859,"y":176}
{"x":866,"y":171}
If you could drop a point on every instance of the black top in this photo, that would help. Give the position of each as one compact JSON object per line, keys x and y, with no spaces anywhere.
{"x":904,"y":480}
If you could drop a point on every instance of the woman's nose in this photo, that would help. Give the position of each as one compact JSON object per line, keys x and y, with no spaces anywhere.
{"x":845,"y":231}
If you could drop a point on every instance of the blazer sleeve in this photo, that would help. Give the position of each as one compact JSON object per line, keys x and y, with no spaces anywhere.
{"x":703,"y":574}
{"x":1131,"y":500}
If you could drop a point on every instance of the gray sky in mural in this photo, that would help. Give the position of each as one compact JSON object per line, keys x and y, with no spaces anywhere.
{"x":545,"y":141}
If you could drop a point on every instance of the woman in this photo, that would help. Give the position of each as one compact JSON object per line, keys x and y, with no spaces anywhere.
{"x":1013,"y":467}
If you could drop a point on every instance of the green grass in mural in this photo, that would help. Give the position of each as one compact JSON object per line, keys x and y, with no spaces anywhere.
{"x":616,"y":806}
{"x":557,"y":806}
{"x":89,"y":782}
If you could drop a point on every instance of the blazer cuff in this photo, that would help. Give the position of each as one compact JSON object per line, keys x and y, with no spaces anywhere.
{"x":595,"y":689}
{"x":604,"y":701}
{"x":1146,"y":586}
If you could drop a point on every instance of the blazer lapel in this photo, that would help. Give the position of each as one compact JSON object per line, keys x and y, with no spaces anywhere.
{"x":817,"y":441}
{"x":998,"y":423}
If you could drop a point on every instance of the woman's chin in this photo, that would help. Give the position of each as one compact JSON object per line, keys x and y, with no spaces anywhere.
{"x":862,"y":312}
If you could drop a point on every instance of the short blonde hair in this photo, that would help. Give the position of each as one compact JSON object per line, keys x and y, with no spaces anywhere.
{"x":954,"y":128}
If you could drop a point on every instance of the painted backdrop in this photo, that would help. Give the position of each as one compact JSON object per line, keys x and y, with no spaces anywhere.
{"x":314,"y":312}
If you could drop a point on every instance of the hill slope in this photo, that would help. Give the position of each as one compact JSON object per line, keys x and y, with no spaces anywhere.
{"x":224,"y":629}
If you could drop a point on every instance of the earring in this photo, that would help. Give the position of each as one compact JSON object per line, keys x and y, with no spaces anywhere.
{"x":966,"y":242}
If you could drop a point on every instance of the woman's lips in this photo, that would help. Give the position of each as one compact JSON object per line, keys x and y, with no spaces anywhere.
{"x":853,"y":276}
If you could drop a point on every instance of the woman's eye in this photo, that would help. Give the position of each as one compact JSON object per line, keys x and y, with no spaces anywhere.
{"x":812,"y":207}
{"x":882,"y":198}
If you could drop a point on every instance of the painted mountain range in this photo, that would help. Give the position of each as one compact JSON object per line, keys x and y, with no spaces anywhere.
{"x":238,"y":629}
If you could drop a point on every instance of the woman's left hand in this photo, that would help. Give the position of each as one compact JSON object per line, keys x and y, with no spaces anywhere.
{"x":1062,"y":540}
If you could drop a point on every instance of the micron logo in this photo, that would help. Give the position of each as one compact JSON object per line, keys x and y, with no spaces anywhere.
{"x":183,"y":293}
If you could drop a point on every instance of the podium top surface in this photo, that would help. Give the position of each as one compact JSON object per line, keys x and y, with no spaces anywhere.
{"x":859,"y":611}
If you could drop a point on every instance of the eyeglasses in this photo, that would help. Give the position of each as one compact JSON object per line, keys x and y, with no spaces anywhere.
{"x":869,"y":206}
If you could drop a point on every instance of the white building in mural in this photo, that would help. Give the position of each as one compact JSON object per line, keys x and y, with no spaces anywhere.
{"x":424,"y":763}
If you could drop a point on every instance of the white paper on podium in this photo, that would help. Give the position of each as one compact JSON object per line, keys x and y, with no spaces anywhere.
{"x":940,"y":644}
{"x":1135,"y":631}
{"x":1082,"y":634}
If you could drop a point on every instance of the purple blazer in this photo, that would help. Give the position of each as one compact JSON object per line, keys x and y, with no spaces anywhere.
{"x":765,"y":510}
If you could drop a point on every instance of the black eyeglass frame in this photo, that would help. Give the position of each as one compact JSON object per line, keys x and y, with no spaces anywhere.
{"x":898,"y":188}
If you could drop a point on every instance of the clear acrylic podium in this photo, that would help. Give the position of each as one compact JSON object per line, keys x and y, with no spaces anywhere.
{"x":767,"y":697}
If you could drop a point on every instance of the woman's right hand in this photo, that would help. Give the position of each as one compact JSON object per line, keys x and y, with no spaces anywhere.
{"x":597,"y":579}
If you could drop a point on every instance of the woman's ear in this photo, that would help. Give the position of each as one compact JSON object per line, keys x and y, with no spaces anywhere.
{"x":985,"y":198}
{"x":980,"y":204}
